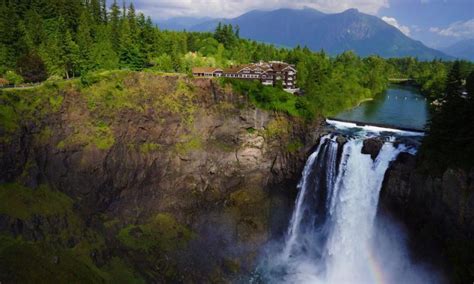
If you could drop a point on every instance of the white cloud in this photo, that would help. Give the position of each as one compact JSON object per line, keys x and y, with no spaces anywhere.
{"x":416,"y":28}
{"x":394,"y":22}
{"x":161,"y":9}
{"x":461,"y":29}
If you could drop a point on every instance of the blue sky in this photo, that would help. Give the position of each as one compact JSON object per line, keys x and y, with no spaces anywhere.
{"x":436,"y":23}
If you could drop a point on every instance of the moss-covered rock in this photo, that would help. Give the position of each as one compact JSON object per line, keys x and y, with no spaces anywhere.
{"x":20,"y":202}
{"x":162,"y":233}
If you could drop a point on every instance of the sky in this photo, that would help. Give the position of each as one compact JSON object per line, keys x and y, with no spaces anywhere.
{"x":437,"y":23}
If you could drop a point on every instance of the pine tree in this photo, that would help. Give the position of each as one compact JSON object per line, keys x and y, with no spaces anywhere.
{"x":33,"y":30}
{"x":60,"y":52}
{"x":103,"y":54}
{"x":470,"y":85}
{"x":95,"y":11}
{"x":85,"y":42}
{"x":115,"y":25}
{"x":454,"y":80}
{"x":132,"y":21}
{"x":130,"y":56}
{"x":10,"y":47}
{"x":72,"y":56}
{"x":147,"y":35}
{"x":103,"y":5}
{"x":237,"y":31}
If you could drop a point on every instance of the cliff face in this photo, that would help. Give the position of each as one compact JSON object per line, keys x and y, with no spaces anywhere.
{"x":438,"y":212}
{"x":157,"y":178}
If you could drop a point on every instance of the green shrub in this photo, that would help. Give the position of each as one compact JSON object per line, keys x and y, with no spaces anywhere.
{"x":13,"y":78}
{"x":270,"y":98}
{"x":88,"y":79}
{"x":294,"y":146}
{"x":146,"y":148}
{"x":191,"y":143}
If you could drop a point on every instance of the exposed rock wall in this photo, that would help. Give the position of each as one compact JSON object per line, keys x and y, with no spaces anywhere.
{"x":438,"y":212}
{"x":184,"y":180}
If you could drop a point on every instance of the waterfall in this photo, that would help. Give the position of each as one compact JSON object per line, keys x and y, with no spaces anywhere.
{"x":332,"y":236}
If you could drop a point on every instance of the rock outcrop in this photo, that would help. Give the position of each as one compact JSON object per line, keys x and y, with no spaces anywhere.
{"x":437,"y":210}
{"x":176,"y":179}
{"x":372,"y":147}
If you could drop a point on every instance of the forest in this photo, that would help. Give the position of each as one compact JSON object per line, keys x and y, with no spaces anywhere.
{"x":55,"y":39}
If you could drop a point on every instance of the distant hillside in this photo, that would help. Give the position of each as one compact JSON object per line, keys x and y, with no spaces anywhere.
{"x":335,"y":33}
{"x":181,"y":23}
{"x":463,"y":49}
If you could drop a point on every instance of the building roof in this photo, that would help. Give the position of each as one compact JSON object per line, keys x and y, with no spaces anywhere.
{"x":4,"y":81}
{"x":278,"y":67}
{"x":235,"y":69}
{"x":206,"y":69}
{"x":261,"y":66}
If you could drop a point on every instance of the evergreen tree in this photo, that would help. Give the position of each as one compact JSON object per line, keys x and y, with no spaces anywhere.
{"x":60,"y":52}
{"x":95,"y":11}
{"x":85,"y":42}
{"x":103,"y":54}
{"x":454,"y":80}
{"x":470,"y":85}
{"x":146,"y":37}
{"x":130,"y":56}
{"x":115,"y":25}
{"x":71,"y":51}
{"x":33,"y":30}
{"x":237,"y":31}
{"x":10,"y":47}
{"x":103,"y":5}
{"x":132,"y":21}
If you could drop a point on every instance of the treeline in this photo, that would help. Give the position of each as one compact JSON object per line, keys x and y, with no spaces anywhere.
{"x":450,"y":140}
{"x":430,"y":76}
{"x":332,"y":84}
{"x":40,"y":39}
{"x":67,"y":38}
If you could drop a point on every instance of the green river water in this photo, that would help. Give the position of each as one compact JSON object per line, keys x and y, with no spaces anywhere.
{"x":399,"y":106}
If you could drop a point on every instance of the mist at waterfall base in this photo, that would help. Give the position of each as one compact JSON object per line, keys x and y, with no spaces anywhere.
{"x":335,"y":235}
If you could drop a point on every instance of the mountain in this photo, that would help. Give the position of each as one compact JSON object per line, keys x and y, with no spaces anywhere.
{"x":181,"y":23}
{"x":335,"y":33}
{"x":463,"y":49}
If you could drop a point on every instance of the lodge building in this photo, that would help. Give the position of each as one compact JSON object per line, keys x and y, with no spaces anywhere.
{"x":269,"y":73}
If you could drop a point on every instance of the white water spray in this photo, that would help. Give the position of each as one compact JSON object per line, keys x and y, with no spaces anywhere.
{"x":332,"y":237}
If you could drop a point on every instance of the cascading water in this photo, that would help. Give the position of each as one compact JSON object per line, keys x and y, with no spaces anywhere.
{"x":332,"y":235}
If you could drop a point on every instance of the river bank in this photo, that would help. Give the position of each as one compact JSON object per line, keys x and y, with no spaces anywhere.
{"x":399,"y":106}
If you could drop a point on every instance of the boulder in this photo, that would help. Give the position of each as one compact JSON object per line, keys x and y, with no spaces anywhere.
{"x":372,"y":147}
{"x":341,"y":140}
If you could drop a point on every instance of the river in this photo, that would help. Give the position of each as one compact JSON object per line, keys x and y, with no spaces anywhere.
{"x":399,"y":106}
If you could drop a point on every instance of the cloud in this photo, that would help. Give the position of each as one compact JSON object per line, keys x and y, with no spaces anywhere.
{"x":394,"y":22}
{"x":162,"y":9}
{"x":460,"y":29}
{"x":416,"y":28}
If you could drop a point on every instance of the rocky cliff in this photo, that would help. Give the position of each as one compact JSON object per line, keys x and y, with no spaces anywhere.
{"x":438,"y":212}
{"x":142,"y":177}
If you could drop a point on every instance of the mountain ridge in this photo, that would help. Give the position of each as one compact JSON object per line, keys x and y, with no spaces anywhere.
{"x":335,"y":33}
{"x":463,"y":49}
